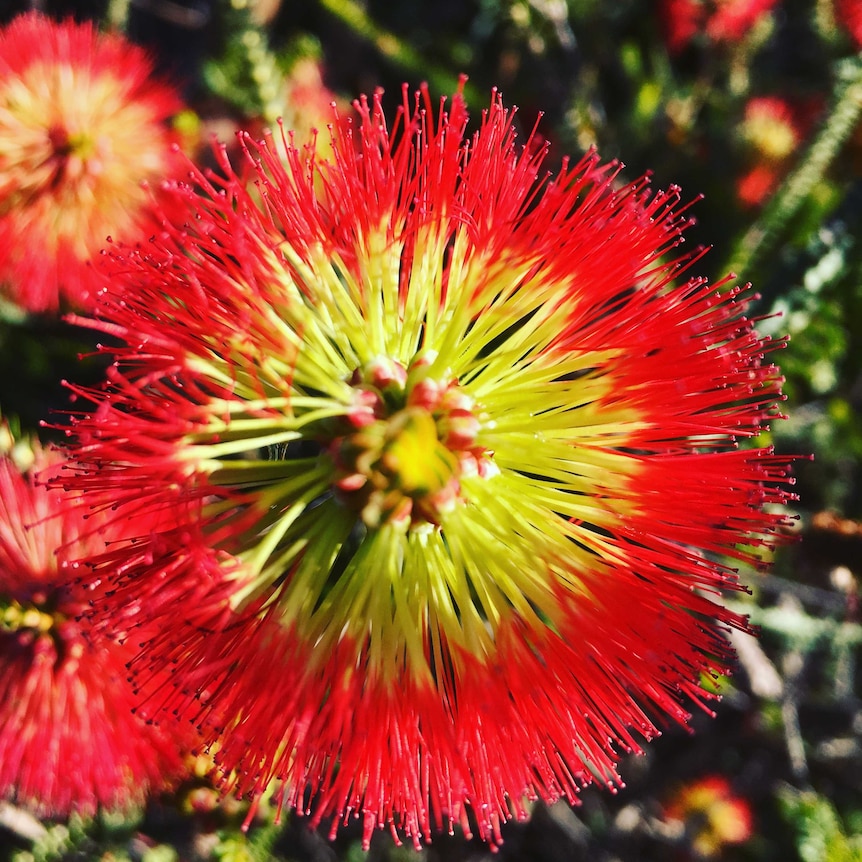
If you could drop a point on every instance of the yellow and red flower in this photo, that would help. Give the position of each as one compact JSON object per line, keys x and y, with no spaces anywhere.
{"x":451,"y":453}
{"x":771,"y":133}
{"x":719,"y":21}
{"x":83,"y":128}
{"x":69,"y":736}
{"x":712,"y":814}
{"x":308,"y":101}
{"x":848,"y":14}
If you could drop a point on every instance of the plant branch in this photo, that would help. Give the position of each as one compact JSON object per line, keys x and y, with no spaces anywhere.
{"x":762,"y":236}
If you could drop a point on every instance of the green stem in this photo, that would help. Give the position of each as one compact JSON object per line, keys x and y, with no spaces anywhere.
{"x":398,"y":51}
{"x":118,"y":13}
{"x":262,"y":841}
{"x":763,"y":234}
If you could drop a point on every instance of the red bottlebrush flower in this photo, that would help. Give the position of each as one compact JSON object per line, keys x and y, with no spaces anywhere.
{"x":308,"y":101}
{"x":771,"y":132}
{"x":82,"y":128}
{"x":451,"y":454}
{"x":848,"y":14}
{"x":69,"y":740}
{"x":721,"y":21}
{"x":304,"y":107}
{"x":772,"y":127}
{"x":731,"y":20}
{"x":712,"y":814}
{"x":681,"y":21}
{"x":756,"y":184}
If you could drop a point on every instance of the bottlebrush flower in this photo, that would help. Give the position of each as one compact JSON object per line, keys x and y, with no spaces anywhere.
{"x":82,"y":128}
{"x":755,"y":184}
{"x":721,"y":21}
{"x":848,"y":14}
{"x":731,"y":20}
{"x":681,"y":21}
{"x":69,"y":740}
{"x":451,"y":454}
{"x":771,"y":127}
{"x":309,"y":104}
{"x":308,"y":101}
{"x":713,"y":815}
{"x":306,"y":109}
{"x":771,"y":132}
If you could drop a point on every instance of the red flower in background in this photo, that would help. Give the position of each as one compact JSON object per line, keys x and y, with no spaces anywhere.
{"x":772,"y":127}
{"x":308,"y":102}
{"x":730,"y":20}
{"x":712,"y":814}
{"x":83,"y":125}
{"x":848,"y":14}
{"x":756,"y":184}
{"x":681,"y":21}
{"x":69,"y":740}
{"x":772,"y":132}
{"x":721,"y":21}
{"x":451,"y":455}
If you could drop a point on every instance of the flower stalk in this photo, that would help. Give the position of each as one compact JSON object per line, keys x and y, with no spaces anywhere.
{"x":760,"y":239}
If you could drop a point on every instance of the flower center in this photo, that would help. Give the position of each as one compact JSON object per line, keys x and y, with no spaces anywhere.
{"x":407,"y":444}
{"x":34,"y":615}
{"x":74,"y":154}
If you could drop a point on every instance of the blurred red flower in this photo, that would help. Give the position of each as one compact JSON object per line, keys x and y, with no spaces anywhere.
{"x":720,"y":21}
{"x":771,"y":133}
{"x":712,"y":814}
{"x":756,"y":184}
{"x":848,"y":14}
{"x":451,"y":455}
{"x":730,"y":20}
{"x":69,"y":740}
{"x":308,"y":101}
{"x":83,"y":125}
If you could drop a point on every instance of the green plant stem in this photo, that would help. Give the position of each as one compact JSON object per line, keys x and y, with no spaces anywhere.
{"x":118,"y":13}
{"x":398,"y":51}
{"x":262,"y":842}
{"x":762,"y":236}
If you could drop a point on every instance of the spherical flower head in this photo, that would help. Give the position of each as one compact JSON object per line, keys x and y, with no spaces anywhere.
{"x":83,"y":128}
{"x":720,"y":21}
{"x":451,"y":453}
{"x":308,"y":101}
{"x":770,"y":127}
{"x":69,"y":736}
{"x":771,"y":133}
{"x":755,"y":184}
{"x":681,"y":21}
{"x":712,"y":813}
{"x":731,"y":20}
{"x":848,"y":15}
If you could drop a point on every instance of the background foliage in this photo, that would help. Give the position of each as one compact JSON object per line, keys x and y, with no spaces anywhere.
{"x":624,"y":77}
